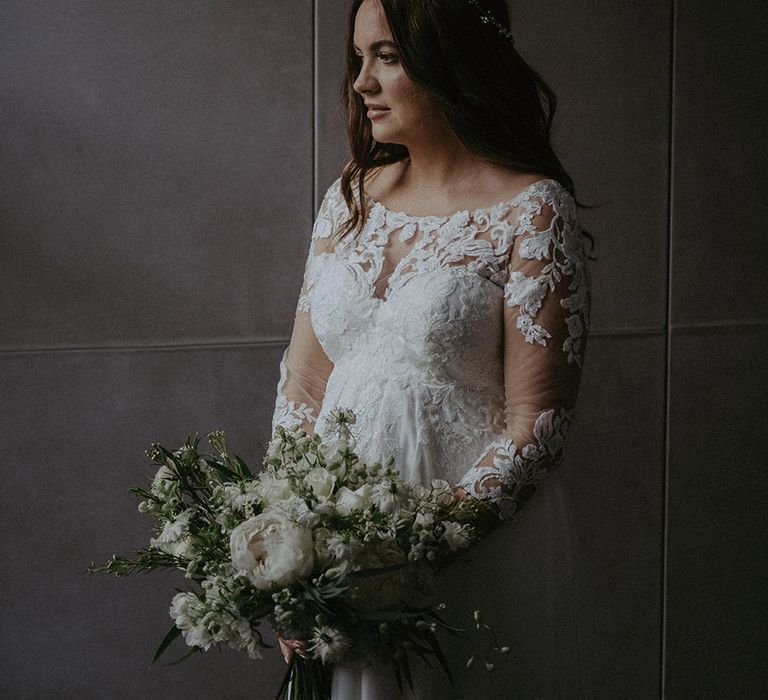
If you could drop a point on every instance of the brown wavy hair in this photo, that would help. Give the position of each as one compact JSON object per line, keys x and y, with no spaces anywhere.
{"x":496,"y":104}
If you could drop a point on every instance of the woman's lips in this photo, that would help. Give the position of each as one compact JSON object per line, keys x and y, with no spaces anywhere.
{"x":377,"y":113}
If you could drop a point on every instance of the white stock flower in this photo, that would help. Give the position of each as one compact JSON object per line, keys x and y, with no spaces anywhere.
{"x":244,"y":639}
{"x":348,"y":500}
{"x":271,"y":550}
{"x":455,"y":536}
{"x":164,"y":484}
{"x":238,"y":496}
{"x":174,"y":538}
{"x":321,"y":481}
{"x":189,"y":614}
{"x":183,"y":610}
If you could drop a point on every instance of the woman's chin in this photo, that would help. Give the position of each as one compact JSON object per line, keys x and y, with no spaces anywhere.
{"x":386,"y":136}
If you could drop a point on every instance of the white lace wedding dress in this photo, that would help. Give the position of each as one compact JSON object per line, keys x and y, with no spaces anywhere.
{"x":458,"y":342}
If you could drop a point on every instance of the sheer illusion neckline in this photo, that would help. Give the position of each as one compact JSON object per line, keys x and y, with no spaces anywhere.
{"x":470,"y":213}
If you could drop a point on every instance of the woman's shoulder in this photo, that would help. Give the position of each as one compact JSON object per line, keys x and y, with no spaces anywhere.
{"x":493,"y":186}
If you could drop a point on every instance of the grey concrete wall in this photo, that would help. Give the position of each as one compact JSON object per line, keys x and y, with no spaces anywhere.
{"x":156,"y":207}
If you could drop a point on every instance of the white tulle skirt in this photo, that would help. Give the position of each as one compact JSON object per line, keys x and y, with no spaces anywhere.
{"x":524,"y":578}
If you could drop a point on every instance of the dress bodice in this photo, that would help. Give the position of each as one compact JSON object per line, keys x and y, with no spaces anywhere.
{"x":413,"y":318}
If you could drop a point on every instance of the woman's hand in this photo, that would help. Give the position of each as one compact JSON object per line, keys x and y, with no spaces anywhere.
{"x":488,"y":515}
{"x":291,"y":646}
{"x":459,"y":494}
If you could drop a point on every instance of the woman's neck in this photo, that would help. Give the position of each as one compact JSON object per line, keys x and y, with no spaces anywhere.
{"x":445,"y":166}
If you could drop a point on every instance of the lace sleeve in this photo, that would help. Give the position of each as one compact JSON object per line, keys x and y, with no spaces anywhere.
{"x":546,"y":319}
{"x":304,"y":366}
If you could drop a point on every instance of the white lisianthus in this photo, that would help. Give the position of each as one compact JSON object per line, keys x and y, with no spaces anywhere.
{"x":174,"y":538}
{"x":442,"y":492}
{"x":348,"y":500}
{"x":321,"y":481}
{"x":274,"y":490}
{"x":330,"y":448}
{"x":455,"y":535}
{"x":271,"y":550}
{"x":298,"y":511}
{"x":385,"y":496}
{"x":426,"y":520}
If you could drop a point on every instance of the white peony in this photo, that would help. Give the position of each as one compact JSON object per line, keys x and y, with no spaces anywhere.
{"x":321,"y":481}
{"x":348,"y":500}
{"x":271,"y":550}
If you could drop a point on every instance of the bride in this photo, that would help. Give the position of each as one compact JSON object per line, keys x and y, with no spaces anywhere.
{"x":446,"y":301}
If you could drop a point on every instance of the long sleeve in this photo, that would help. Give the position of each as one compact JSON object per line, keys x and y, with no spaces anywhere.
{"x":305,"y":367}
{"x":546,"y":309}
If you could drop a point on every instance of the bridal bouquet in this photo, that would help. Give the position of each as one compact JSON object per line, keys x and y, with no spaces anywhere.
{"x":327,"y":549}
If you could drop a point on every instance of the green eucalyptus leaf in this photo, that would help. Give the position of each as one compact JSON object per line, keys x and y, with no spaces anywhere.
{"x":167,"y":640}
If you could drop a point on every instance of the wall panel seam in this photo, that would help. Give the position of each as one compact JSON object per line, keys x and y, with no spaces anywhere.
{"x":283,"y":340}
{"x":667,"y":350}
{"x":314,"y":126}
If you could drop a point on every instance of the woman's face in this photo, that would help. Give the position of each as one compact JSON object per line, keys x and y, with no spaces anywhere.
{"x":409,"y":113}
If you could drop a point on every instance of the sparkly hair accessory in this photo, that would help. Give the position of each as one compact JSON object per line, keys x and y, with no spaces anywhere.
{"x":487,"y":18}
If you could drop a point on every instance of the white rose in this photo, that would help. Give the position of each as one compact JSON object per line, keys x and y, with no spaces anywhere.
{"x":271,"y":550}
{"x":347,"y":500}
{"x":321,"y":481}
{"x":274,"y":490}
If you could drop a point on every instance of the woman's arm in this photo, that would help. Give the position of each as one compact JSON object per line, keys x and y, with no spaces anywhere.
{"x":546,"y":319}
{"x":305,"y":367}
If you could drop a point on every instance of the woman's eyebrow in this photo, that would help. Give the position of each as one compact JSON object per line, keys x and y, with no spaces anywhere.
{"x":378,"y":44}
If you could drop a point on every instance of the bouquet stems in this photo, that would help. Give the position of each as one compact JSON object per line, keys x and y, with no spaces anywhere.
{"x":306,"y":679}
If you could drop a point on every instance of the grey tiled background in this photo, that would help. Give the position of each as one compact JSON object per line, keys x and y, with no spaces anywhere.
{"x":162,"y":164}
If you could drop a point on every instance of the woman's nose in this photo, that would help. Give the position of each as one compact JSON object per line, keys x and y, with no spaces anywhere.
{"x":365,"y":81}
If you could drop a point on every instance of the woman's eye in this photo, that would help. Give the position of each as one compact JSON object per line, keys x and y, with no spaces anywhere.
{"x":387,"y":57}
